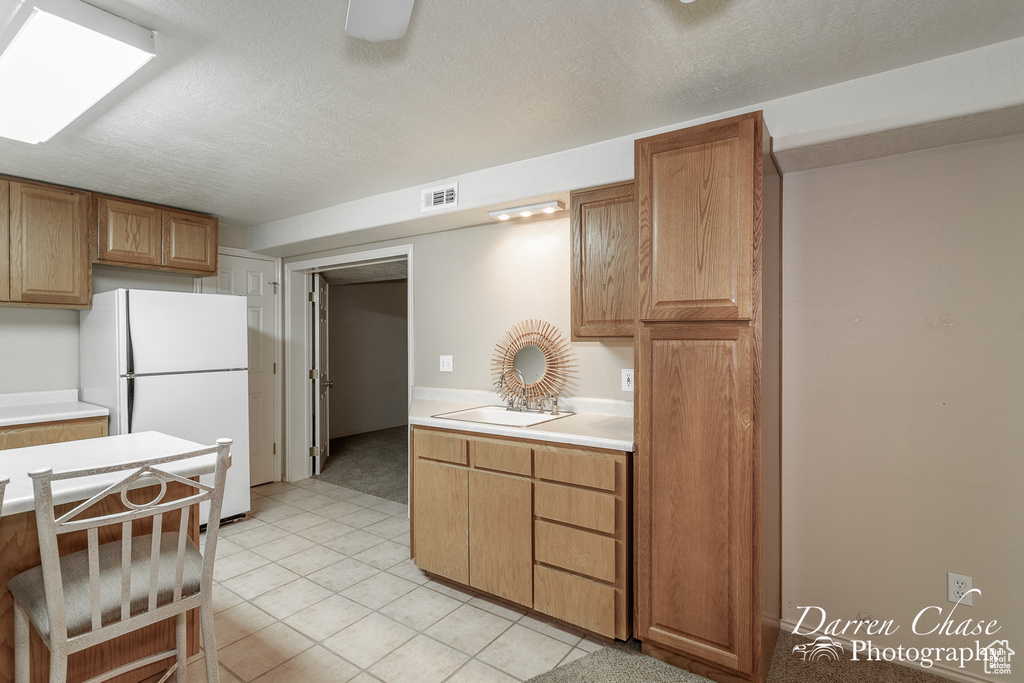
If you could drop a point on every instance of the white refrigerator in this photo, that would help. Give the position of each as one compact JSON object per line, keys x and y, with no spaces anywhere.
{"x":172,"y":362}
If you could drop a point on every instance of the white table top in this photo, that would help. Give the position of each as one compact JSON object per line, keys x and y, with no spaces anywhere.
{"x":16,"y":463}
{"x":614,"y":432}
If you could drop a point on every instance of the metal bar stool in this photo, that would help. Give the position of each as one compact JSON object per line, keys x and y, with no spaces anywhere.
{"x":113,"y":588}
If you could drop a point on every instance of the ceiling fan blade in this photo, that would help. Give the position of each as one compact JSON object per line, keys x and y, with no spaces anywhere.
{"x":377,"y":20}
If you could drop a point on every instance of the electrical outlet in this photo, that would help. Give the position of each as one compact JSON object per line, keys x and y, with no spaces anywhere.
{"x":627,"y":379}
{"x":446,"y":364}
{"x":958,"y":587}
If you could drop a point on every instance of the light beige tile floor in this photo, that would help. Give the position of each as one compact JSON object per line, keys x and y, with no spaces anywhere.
{"x":316,"y":585}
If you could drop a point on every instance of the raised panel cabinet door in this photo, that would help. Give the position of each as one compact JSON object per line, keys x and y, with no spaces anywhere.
{"x":699,"y":202}
{"x":695,"y":493}
{"x":5,"y":240}
{"x":128,"y":232}
{"x":604,"y":262}
{"x":440,"y":519}
{"x":501,"y":536}
{"x":49,"y":245}
{"x":190,"y":241}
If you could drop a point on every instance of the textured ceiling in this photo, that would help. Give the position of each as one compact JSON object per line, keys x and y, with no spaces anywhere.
{"x":379,"y":271}
{"x":256,"y":110}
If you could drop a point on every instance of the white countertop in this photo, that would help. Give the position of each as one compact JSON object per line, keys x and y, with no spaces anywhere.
{"x":16,"y":463}
{"x":45,"y":406}
{"x":592,"y":430}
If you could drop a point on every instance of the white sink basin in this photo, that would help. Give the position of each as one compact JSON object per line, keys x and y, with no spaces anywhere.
{"x":499,"y":415}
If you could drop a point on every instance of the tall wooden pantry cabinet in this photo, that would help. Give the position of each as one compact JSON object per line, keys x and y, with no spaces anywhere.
{"x":707,"y":490}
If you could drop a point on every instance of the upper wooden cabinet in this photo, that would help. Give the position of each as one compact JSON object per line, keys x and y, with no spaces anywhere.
{"x":44,"y":231}
{"x":5,"y":241}
{"x":146,"y":236}
{"x":604,"y":261}
{"x":697,"y":191}
{"x":128,"y":232}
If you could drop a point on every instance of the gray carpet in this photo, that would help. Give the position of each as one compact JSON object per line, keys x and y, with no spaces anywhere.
{"x":375,"y":462}
{"x":620,"y":664}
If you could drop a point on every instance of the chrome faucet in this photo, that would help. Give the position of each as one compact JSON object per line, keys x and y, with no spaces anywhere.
{"x":511,"y":399}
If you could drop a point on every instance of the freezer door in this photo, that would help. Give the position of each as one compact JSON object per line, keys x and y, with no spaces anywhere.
{"x":201,"y":407}
{"x":184,"y":332}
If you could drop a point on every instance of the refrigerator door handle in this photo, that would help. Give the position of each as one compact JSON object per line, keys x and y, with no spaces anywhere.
{"x":131,"y":399}
{"x":129,"y":350}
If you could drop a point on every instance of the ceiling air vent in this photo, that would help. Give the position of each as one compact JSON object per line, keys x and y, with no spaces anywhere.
{"x":446,"y":197}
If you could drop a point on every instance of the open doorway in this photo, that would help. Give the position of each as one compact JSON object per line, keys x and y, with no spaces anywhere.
{"x":368,"y":377}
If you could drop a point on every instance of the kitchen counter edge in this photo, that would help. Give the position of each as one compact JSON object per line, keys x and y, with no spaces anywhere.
{"x":590,"y":430}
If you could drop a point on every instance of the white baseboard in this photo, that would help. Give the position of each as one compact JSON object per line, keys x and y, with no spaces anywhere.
{"x":939,"y":668}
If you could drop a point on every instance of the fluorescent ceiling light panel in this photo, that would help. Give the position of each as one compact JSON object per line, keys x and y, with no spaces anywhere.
{"x":526,"y":211}
{"x":59,"y":58}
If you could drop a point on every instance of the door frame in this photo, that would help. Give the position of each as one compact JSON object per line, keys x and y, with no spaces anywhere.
{"x":197,"y":286}
{"x":298,"y":339}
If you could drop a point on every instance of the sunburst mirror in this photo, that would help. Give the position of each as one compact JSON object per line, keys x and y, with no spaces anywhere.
{"x":531,"y":359}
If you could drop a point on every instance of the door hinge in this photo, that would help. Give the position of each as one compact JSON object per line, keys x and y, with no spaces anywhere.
{"x":275,"y":286}
{"x":312,"y":297}
{"x":314,"y":451}
{"x":275,"y":368}
{"x":313,"y":374}
{"x":275,"y":450}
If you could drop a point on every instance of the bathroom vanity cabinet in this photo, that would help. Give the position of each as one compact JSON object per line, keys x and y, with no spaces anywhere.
{"x":541,"y":525}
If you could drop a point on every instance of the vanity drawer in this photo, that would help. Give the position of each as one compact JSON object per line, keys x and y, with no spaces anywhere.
{"x":503,"y":457}
{"x":437,"y":446}
{"x":578,"y":507}
{"x":588,"y":604}
{"x":576,"y":467}
{"x":583,"y":552}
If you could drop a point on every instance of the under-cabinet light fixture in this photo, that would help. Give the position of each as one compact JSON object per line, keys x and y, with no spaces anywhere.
{"x":60,"y":57}
{"x":526,"y":211}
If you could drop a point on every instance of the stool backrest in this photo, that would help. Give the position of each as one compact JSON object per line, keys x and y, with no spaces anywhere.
{"x":94,"y":517}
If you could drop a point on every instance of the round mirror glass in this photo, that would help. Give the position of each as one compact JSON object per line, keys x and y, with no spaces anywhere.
{"x":529,"y":360}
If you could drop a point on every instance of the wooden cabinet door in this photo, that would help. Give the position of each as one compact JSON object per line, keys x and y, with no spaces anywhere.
{"x":190,"y":241}
{"x":49,"y":245}
{"x":694,"y":502}
{"x":440,"y":523}
{"x":128,"y":232}
{"x":699,"y":199}
{"x":501,"y":536}
{"x":5,"y":240}
{"x":604,"y":262}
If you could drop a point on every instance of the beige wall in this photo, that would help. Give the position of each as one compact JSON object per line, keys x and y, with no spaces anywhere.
{"x":472,"y":284}
{"x":369,"y":357}
{"x":903,"y":386}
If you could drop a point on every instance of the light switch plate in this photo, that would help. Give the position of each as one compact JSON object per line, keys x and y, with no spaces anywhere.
{"x":446,"y":364}
{"x":627,"y":379}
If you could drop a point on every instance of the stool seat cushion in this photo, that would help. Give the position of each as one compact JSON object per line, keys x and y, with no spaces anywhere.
{"x":27,"y":587}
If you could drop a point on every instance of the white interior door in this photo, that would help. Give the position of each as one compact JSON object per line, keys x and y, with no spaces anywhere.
{"x":255,"y":278}
{"x":321,"y":378}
